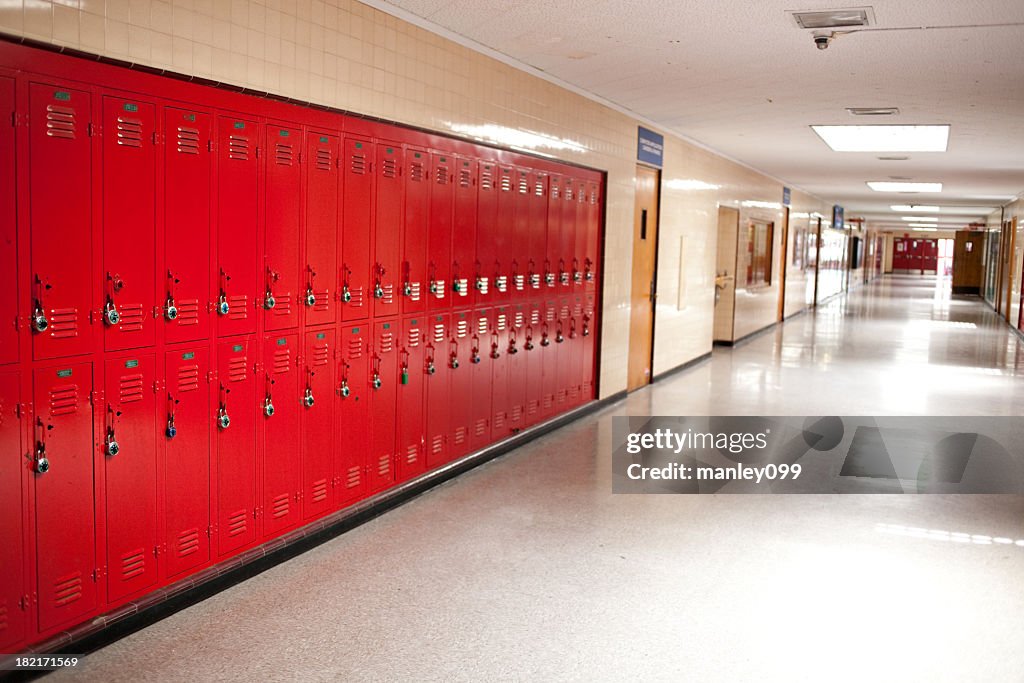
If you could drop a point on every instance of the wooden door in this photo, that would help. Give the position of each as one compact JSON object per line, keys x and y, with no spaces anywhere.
{"x":782,"y":266}
{"x":645,"y":254}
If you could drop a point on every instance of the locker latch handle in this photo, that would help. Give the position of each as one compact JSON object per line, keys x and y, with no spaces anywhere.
{"x":268,"y":406}
{"x":577,"y":276}
{"x":544,"y":341}
{"x":40,"y":463}
{"x":346,"y":293}
{"x":474,"y":357}
{"x":512,"y":350}
{"x":529,"y":339}
{"x":223,"y":307}
{"x":588,"y":273}
{"x":268,"y":298}
{"x":307,"y":398}
{"x":170,"y":310}
{"x":495,"y":354}
{"x":559,"y":337}
{"x":110,"y":445}
{"x":572,"y":328}
{"x":376,"y":381}
{"x":453,"y":355}
{"x":378,"y":288}
{"x":310,"y":296}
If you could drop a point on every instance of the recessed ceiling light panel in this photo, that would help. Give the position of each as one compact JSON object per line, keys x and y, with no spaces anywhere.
{"x":915,"y":207}
{"x":833,"y":18}
{"x":886,"y":186}
{"x":873,"y":111}
{"x":920,"y":218}
{"x":884,"y":138}
{"x":924,"y":228}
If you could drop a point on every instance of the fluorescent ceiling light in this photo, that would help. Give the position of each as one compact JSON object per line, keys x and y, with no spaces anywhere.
{"x":761,"y":205}
{"x":920,"y":218}
{"x":915,"y":207}
{"x":690,"y":184}
{"x":921,"y":228}
{"x":880,"y":138}
{"x":513,"y":137}
{"x":833,"y":18}
{"x":888,"y":186}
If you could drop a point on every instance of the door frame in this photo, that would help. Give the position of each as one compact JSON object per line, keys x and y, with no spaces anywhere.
{"x":654,"y":275}
{"x":785,"y":261}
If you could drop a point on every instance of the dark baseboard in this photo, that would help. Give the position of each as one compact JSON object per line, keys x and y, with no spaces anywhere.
{"x":747,"y":337}
{"x":679,"y":368}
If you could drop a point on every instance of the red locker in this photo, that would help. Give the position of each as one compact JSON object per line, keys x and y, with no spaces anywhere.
{"x":354,"y":388}
{"x":519,"y":246}
{"x":129,"y":223}
{"x":186,"y":278}
{"x":579,"y":250}
{"x":439,"y":240}
{"x":567,"y":235}
{"x":537,"y":233}
{"x":549,"y":352}
{"x":322,"y":186}
{"x":237,"y":225}
{"x":356,"y":238}
{"x":318,"y":423}
{"x":438,"y":356}
{"x":554,"y":263}
{"x":65,"y":535}
{"x":589,"y":347}
{"x":503,"y":234}
{"x":279,"y":415}
{"x":185,"y":429}
{"x":534,"y":363}
{"x":8,"y":235}
{"x":383,"y":383}
{"x":464,"y":231}
{"x":497,"y":348}
{"x":387,"y":229}
{"x":487,"y":264}
{"x":593,"y":232}
{"x":281,"y":299}
{"x":235,"y":421}
{"x":129,"y":461}
{"x":482,"y":388}
{"x":460,"y":356}
{"x":414,"y":233}
{"x":574,"y":349}
{"x":412,"y":374}
{"x":563,"y":356}
{"x":13,"y":614}
{"x":61,"y":220}
{"x":517,"y":366}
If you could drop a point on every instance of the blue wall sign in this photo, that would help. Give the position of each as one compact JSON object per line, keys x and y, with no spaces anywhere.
{"x":837,"y":217}
{"x":650,"y":147}
{"x":785,"y":196}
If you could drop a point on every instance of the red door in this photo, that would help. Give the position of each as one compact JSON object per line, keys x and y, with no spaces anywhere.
{"x":63,"y":474}
{"x":383,"y":397}
{"x":503,"y":234}
{"x":354,"y":388}
{"x":439,"y":240}
{"x":567,"y":234}
{"x":129,"y":457}
{"x":8,"y":235}
{"x":322,"y":185}
{"x":534,"y":363}
{"x":563,"y":356}
{"x":60,"y":214}
{"x":185,"y":428}
{"x":318,"y":425}
{"x":412,"y":373}
{"x":279,"y":415}
{"x":497,"y":347}
{"x":280,"y":293}
{"x":186,"y":278}
{"x":464,"y":234}
{"x":520,"y":237}
{"x":414,"y":232}
{"x":355,"y":242}
{"x":549,"y":352}
{"x":588,"y":329}
{"x":930,"y":256}
{"x":438,"y":355}
{"x":481,"y":370}
{"x":517,"y":366}
{"x":460,"y":356}
{"x":129,"y":223}
{"x":487,"y":264}
{"x":387,"y":223}
{"x":12,"y":538}
{"x":237,"y":222}
{"x":554,"y":261}
{"x":235,"y":426}
{"x":538,"y":233}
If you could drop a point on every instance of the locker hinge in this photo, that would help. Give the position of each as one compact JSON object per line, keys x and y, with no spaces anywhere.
{"x":209,"y":145}
{"x":20,"y":410}
{"x":24,"y":601}
{"x":93,"y":398}
{"x":157,"y":386}
{"x":300,"y":158}
{"x":92,"y":130}
{"x":209,"y":532}
{"x":257,"y":151}
{"x":97,"y":573}
{"x":212,"y":376}
{"x":256,"y":512}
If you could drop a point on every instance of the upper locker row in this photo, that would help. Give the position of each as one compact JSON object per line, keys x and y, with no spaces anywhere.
{"x":209,"y":220}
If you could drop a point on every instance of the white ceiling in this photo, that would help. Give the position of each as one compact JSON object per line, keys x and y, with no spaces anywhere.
{"x":741,"y":78}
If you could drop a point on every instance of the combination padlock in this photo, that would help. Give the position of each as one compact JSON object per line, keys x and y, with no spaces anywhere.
{"x":559,"y":338}
{"x":430,"y":368}
{"x":42,"y":463}
{"x":405,"y":375}
{"x":39,"y":321}
{"x":586,"y":330}
{"x":378,"y":291}
{"x":512,"y":350}
{"x":269,"y":301}
{"x":480,"y":284}
{"x":111,"y":447}
{"x":475,"y":358}
{"x":268,"y":407}
{"x":345,"y":391}
{"x":376,"y":381}
{"x":433,"y":287}
{"x":346,"y":295}
{"x":307,"y":398}
{"x":406,"y":289}
{"x":310,"y":297}
{"x":170,"y":310}
{"x":457,"y":287}
{"x":529,"y":344}
{"x":110,"y":314}
{"x":453,"y":362}
{"x":171,"y":430}
{"x":223,"y":419}
{"x":544,"y":341}
{"x":223,"y":308}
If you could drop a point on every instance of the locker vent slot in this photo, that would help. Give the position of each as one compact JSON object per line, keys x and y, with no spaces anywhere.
{"x":524,"y":185}
{"x":283,"y":304}
{"x":64,"y":323}
{"x":439,"y":333}
{"x":538,"y":188}
{"x":564,"y":313}
{"x":519,"y":319}
{"x":389,"y":167}
{"x":188,"y":312}
{"x":501,"y":322}
{"x":577,"y":310}
{"x":358,"y":298}
{"x":560,"y":396}
{"x":506,"y":183}
{"x":548,"y":401}
{"x":239,"y":307}
{"x":283,"y":155}
{"x":581,"y":195}
{"x":442,"y":175}
{"x":282,"y":361}
{"x":389,"y":294}
{"x":487,"y":178}
{"x":131,"y":318}
{"x":414,"y":290}
{"x":465,"y":178}
{"x":517,"y":413}
{"x":460,"y":435}
{"x":384,"y":465}
{"x":131,"y":388}
{"x":237,"y":523}
{"x":129,"y":132}
{"x":412,"y":454}
{"x":414,"y":338}
{"x":322,"y":299}
{"x":593,"y":196}
{"x":188,"y":140}
{"x":416,"y":171}
{"x":588,"y":389}
{"x":499,"y":421}
{"x":354,"y":478}
{"x":358,"y":164}
{"x":281,"y":506}
{"x":188,"y":542}
{"x":555,"y":192}
{"x":64,"y":399}
{"x":535,"y":317}
{"x":355,"y":348}
{"x":319,"y":490}
{"x":238,"y":147}
{"x":60,"y":122}
{"x":568,"y":192}
{"x":387,"y":342}
{"x":532,"y":406}
{"x":321,"y":354}
{"x":480,"y":427}
{"x":481,"y":326}
{"x":67,"y":589}
{"x":238,"y":369}
{"x":323,"y":159}
{"x":574,"y":392}
{"x":4,"y":625}
{"x":550,"y":315}
{"x":188,"y":378}
{"x":133,"y":564}
{"x":437,"y":444}
{"x":461,"y":329}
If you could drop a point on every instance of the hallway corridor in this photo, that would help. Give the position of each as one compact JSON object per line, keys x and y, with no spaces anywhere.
{"x":528,"y":568}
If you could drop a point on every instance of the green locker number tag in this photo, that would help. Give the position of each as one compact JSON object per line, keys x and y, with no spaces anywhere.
{"x":64,"y":373}
{"x":188,"y":355}
{"x":132,"y":364}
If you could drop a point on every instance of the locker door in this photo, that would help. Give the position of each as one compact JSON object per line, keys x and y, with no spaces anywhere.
{"x":439,"y":240}
{"x":387,"y":229}
{"x":520,"y":237}
{"x":589,"y":326}
{"x":464,"y":234}
{"x":129,"y":461}
{"x":235,"y":421}
{"x":438,"y":355}
{"x":553,"y":261}
{"x":186,"y":433}
{"x":574,"y":348}
{"x":549,"y":353}
{"x":279,"y":418}
{"x":8,"y":235}
{"x":593,"y":241}
{"x":13,"y":617}
{"x":383,"y":382}
{"x":481,"y":370}
{"x":412,"y":374}
{"x":503,"y":234}
{"x":322,"y":178}
{"x":237,"y":223}
{"x":563,"y":356}
{"x":414,"y":233}
{"x":356,"y":200}
{"x":60,"y":215}
{"x":63,"y":476}
{"x":538,"y":233}
{"x":567,"y":235}
{"x":460,"y":357}
{"x":517,"y":366}
{"x":281,"y":299}
{"x":353,"y":439}
{"x":497,"y":347}
{"x":318,"y":423}
{"x":487,"y":266}
{"x":129,"y":223}
{"x":186,"y":279}
{"x":534,"y":363}
{"x":579,"y":250}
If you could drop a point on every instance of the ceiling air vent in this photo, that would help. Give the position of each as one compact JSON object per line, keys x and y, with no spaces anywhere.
{"x":873,"y":111}
{"x":833,"y":18}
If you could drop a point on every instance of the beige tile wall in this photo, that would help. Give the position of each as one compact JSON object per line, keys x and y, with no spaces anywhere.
{"x":347,"y":55}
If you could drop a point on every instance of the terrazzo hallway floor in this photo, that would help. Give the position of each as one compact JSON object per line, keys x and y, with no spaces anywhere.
{"x":528,"y":568}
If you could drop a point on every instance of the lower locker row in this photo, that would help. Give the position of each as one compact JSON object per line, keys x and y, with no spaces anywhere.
{"x":149,"y":466}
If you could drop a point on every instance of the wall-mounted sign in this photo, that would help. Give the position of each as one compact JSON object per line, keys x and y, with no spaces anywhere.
{"x":650,"y":147}
{"x":785,"y":196}
{"x":837,"y":217}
